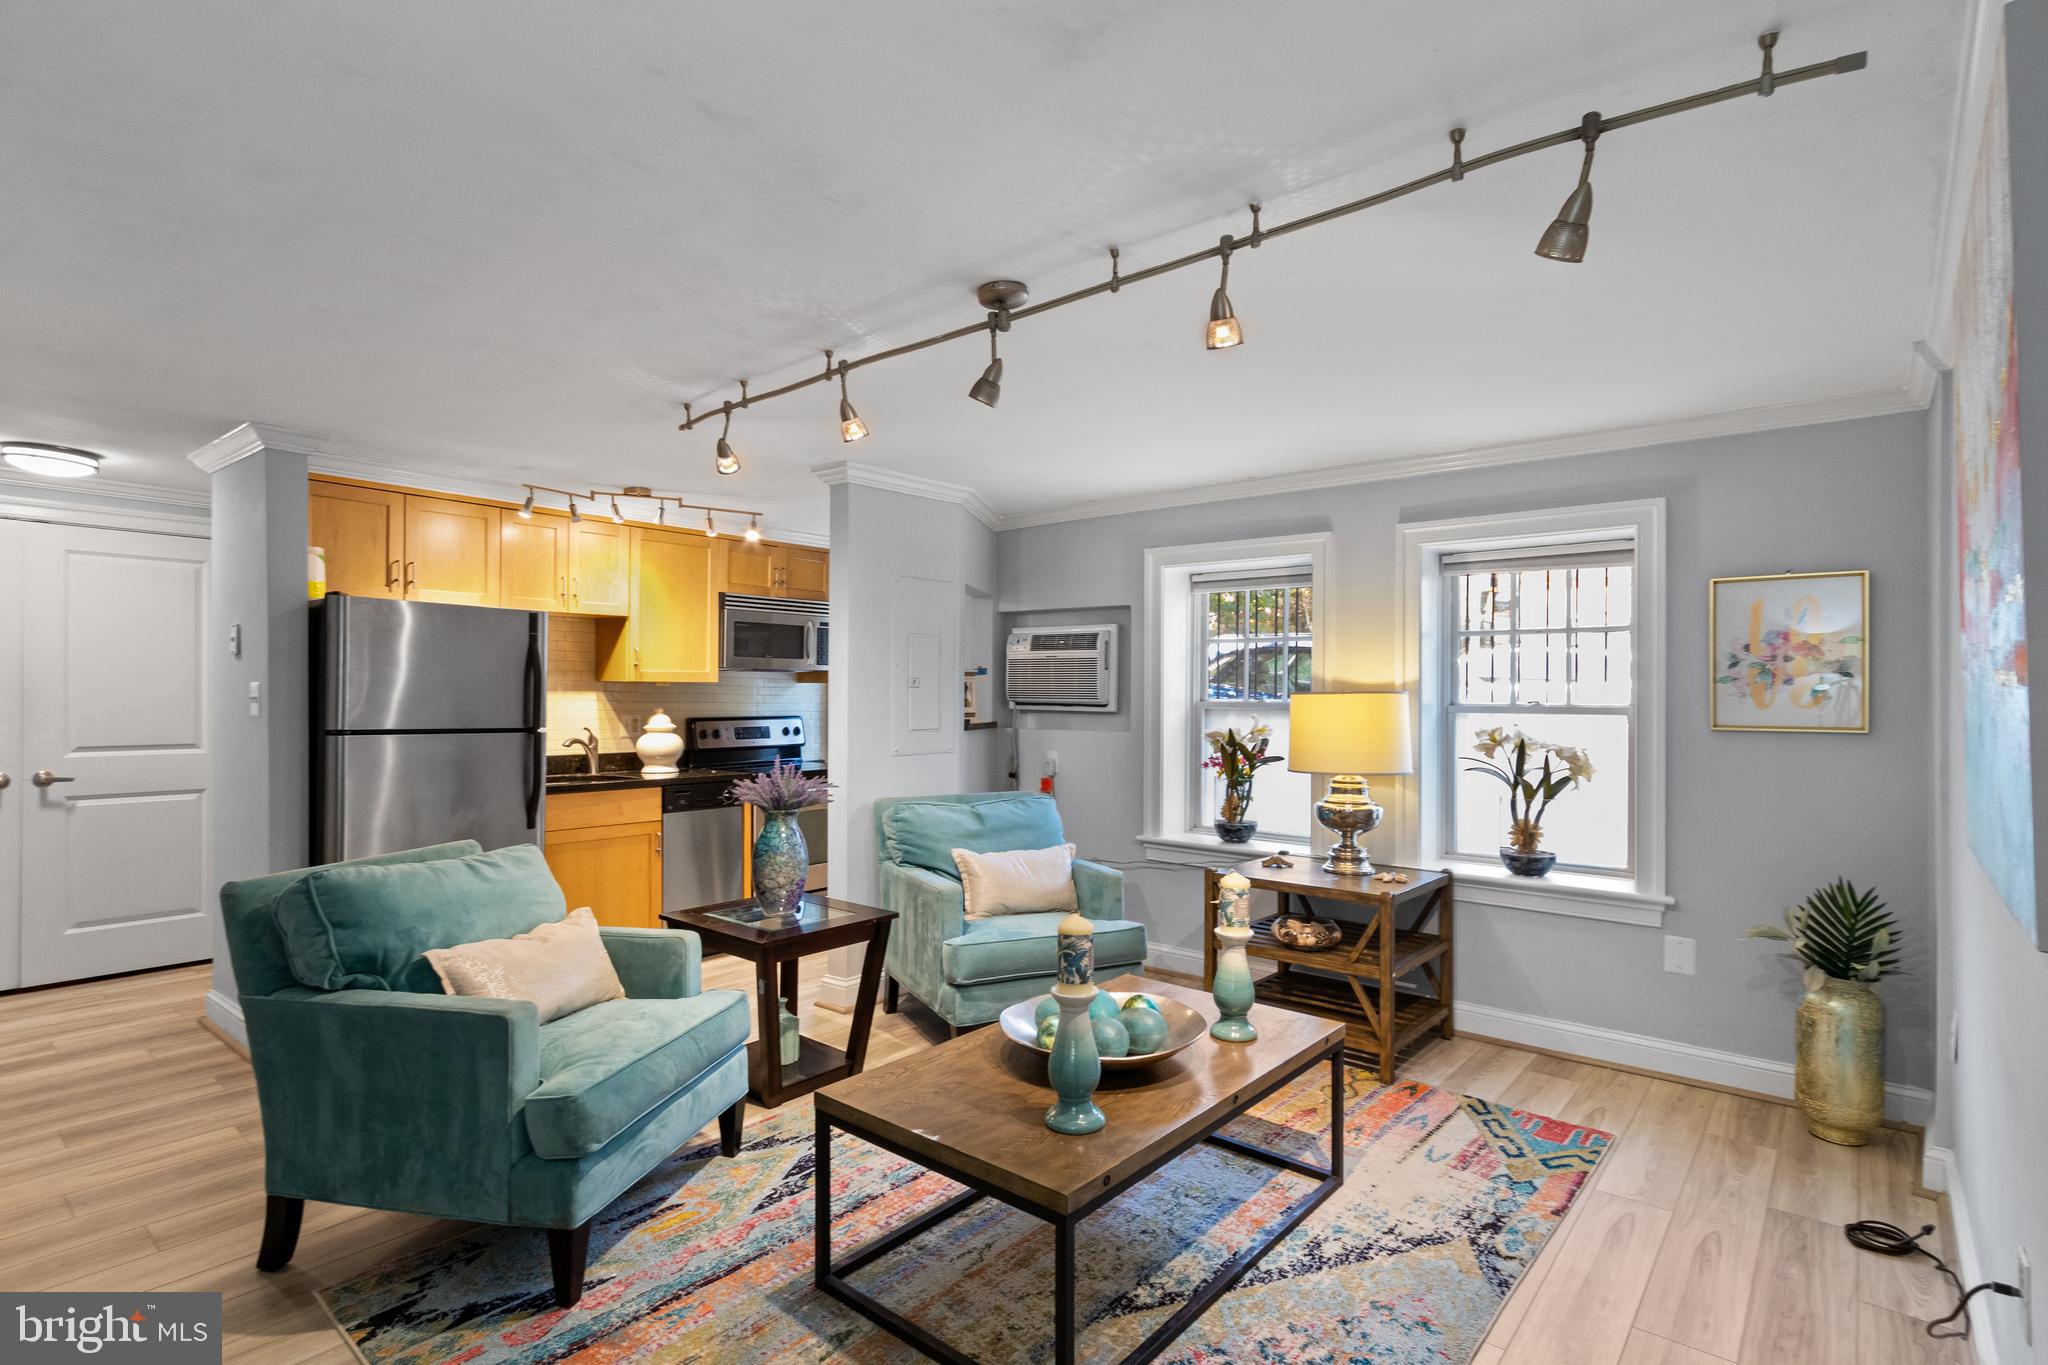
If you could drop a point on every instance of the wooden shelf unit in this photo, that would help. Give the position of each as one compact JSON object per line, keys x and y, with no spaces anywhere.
{"x":1357,"y":980}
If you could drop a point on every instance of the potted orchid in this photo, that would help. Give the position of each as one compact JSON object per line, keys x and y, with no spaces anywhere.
{"x":1238,"y":758}
{"x":1535,"y":772}
{"x":782,"y":862}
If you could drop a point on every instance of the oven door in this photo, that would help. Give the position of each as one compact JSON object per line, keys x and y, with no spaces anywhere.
{"x":763,"y":640}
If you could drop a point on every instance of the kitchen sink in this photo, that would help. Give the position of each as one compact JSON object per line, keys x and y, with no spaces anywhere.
{"x":589,"y":779}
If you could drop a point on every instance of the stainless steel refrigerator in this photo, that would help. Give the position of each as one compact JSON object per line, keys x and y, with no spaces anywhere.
{"x":428,"y":725}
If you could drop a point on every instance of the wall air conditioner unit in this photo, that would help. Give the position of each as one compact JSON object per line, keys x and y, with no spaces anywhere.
{"x":1061,"y":668}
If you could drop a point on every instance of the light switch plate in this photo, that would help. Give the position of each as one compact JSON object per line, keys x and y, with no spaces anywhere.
{"x":1680,"y":955}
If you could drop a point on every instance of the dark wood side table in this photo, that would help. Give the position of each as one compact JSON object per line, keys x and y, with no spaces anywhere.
{"x":1355,"y":980}
{"x":773,"y":946}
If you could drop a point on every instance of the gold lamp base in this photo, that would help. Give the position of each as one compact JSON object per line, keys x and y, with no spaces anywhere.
{"x":1348,"y":811}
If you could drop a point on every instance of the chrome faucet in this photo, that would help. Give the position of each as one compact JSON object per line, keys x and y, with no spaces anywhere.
{"x":588,"y":744}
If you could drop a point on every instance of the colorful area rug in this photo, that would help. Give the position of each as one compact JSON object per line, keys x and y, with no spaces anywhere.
{"x":1447,"y":1200}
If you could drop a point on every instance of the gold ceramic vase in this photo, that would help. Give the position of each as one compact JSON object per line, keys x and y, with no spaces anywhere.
{"x":1840,"y":1073}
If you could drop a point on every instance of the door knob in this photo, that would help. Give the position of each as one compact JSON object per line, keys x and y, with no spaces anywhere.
{"x":5,"y":782}
{"x":45,"y":778}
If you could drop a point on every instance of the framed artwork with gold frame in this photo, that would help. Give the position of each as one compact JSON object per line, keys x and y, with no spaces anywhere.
{"x":1790,"y":651}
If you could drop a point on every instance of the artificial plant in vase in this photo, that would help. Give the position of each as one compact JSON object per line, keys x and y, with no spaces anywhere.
{"x":1535,"y":772}
{"x":782,"y":861}
{"x":1847,"y":942}
{"x":1238,"y":758}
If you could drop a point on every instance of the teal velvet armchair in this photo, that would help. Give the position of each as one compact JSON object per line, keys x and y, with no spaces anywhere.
{"x":379,"y":1090}
{"x":969,"y":971}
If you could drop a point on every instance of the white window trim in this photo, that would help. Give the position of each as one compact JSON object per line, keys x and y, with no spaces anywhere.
{"x":1169,"y":628}
{"x":1420,"y":842}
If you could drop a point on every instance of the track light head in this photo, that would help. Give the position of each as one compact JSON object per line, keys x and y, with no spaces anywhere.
{"x":574,"y":515}
{"x":661,"y":514}
{"x":728,"y":462}
{"x":1565,"y":238}
{"x":710,"y":526}
{"x":526,"y":508}
{"x":1224,"y":330}
{"x":618,"y":517}
{"x":989,"y":388}
{"x":851,"y":428}
{"x":754,"y":527}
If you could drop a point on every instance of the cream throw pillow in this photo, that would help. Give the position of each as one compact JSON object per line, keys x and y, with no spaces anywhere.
{"x":561,"y":967}
{"x":1018,"y":881}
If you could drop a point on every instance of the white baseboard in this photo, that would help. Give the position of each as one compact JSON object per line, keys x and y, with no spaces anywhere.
{"x":226,"y":1015}
{"x":1189,"y":962}
{"x":1905,"y":1103}
{"x":838,"y":993}
{"x":1938,"y":1172}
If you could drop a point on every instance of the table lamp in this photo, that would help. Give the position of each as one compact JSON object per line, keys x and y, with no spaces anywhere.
{"x":1347,"y":735}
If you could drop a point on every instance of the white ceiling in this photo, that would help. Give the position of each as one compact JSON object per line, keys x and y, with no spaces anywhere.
{"x":505,"y":242}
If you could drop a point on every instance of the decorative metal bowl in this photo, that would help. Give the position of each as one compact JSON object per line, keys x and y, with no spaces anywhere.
{"x":1183,"y":1026}
{"x":1307,"y":935}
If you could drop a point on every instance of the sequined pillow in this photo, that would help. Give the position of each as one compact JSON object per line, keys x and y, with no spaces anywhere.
{"x":561,"y":967}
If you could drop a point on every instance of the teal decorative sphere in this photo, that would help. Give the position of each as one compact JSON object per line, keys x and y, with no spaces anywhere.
{"x":1145,"y":1028}
{"x":1049,"y":1029}
{"x":1111,"y":1038}
{"x":1103,"y":1006}
{"x":1048,"y":1008}
{"x":1144,"y":1002}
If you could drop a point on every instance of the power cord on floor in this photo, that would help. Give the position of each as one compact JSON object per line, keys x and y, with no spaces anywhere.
{"x":1888,"y":1240}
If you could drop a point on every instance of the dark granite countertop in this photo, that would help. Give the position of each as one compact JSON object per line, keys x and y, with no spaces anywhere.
{"x":566,"y":774}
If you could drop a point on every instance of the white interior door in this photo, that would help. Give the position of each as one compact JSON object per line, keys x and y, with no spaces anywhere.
{"x":114,"y":873}
{"x":14,"y":787}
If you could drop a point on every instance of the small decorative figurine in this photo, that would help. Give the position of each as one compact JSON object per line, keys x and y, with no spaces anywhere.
{"x":1276,"y":859}
{"x":1075,"y":1067}
{"x":1392,"y":878}
{"x":658,"y":746}
{"x":792,"y":1041}
{"x":1232,"y":987}
{"x":1309,"y":935}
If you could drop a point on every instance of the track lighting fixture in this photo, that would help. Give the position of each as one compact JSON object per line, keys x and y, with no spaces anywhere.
{"x":661,"y":514}
{"x":989,"y":388}
{"x":728,"y":463}
{"x":574,"y":515}
{"x":754,"y":527}
{"x":851,"y":428}
{"x":1224,"y":330}
{"x":618,"y":517}
{"x":526,"y":508}
{"x":1565,"y":238}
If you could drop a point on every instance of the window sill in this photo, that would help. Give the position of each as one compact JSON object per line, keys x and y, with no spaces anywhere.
{"x":1206,"y":850}
{"x":1560,"y":893}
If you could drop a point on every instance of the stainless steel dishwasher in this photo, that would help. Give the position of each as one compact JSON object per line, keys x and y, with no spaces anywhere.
{"x":700,"y":844}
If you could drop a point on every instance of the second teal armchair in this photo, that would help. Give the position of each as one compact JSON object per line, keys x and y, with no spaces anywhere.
{"x":378,"y":1090}
{"x":969,"y":971}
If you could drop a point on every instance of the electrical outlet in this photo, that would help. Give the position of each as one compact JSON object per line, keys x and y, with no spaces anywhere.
{"x":1680,"y":955}
{"x":2024,"y":1282}
{"x":1052,"y":764}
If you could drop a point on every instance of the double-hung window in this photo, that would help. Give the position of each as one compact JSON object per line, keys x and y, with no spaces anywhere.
{"x":1541,"y":639}
{"x":1254,"y":638}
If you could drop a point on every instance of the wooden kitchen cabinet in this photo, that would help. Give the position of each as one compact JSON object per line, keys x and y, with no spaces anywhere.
{"x":604,"y":848}
{"x":600,"y":568}
{"x":362,"y":531}
{"x":762,"y":569}
{"x":533,"y":567}
{"x":671,"y":633}
{"x":451,"y":552}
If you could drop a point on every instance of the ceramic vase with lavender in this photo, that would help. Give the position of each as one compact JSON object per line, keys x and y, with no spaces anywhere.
{"x":781,"y":860}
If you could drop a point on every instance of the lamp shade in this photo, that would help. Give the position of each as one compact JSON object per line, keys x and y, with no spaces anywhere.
{"x":1349,"y":732}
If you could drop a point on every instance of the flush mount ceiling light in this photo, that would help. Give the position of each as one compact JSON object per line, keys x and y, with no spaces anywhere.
{"x":1565,"y":238}
{"x":55,"y":462}
{"x":1223,"y":330}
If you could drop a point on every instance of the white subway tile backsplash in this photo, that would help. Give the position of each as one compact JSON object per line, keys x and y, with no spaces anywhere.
{"x":616,"y":711}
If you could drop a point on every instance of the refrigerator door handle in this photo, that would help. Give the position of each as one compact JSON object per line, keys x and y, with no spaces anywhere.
{"x":536,"y":719}
{"x":536,"y":779}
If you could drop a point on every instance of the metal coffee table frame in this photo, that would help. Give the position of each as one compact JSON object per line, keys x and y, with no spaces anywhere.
{"x":831,"y":1278}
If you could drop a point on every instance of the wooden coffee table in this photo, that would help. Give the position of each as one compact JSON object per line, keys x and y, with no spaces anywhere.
{"x":774,"y":946}
{"x":973,"y":1110}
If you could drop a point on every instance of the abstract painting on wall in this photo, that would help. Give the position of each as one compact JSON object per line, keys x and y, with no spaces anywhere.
{"x":1997,"y":770}
{"x":1791,"y":651}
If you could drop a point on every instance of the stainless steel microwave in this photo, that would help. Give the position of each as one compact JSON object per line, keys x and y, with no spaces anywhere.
{"x":772,"y":635}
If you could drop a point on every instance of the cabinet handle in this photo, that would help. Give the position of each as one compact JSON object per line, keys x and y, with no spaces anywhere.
{"x":565,"y":590}
{"x":636,"y":658}
{"x":657,"y":845}
{"x":391,"y":575}
{"x":411,"y":573}
{"x":574,"y":595}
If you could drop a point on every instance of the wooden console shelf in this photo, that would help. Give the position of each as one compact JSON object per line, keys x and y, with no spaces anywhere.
{"x":1358,"y":980}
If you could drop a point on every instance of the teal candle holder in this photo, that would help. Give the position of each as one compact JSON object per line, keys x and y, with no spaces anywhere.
{"x":1075,"y":1067}
{"x":1232,"y":988}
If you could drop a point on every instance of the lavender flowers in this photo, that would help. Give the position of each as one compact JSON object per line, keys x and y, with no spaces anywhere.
{"x":783,"y":787}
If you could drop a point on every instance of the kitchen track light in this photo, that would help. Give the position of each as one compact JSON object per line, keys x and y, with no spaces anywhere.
{"x":754,"y":528}
{"x":710,"y":526}
{"x":574,"y":515}
{"x":1564,"y":241}
{"x":526,"y":508}
{"x":851,"y":428}
{"x":662,"y":502}
{"x":1223,"y":331}
{"x":618,"y":517}
{"x":1565,"y":238}
{"x":728,"y":462}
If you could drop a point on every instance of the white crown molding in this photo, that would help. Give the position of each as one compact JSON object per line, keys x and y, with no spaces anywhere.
{"x":184,"y":504}
{"x":1983,"y":26}
{"x":250,"y":437}
{"x":1741,"y":421}
{"x":871,"y":476}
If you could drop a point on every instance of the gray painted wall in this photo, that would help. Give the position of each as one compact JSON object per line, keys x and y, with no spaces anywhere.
{"x":257,"y":805}
{"x":1993,"y":1097}
{"x":1755,"y":820}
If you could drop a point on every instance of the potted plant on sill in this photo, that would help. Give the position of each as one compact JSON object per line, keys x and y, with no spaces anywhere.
{"x":1506,"y":756}
{"x":1848,"y":942}
{"x":1238,"y":758}
{"x":782,"y":861}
